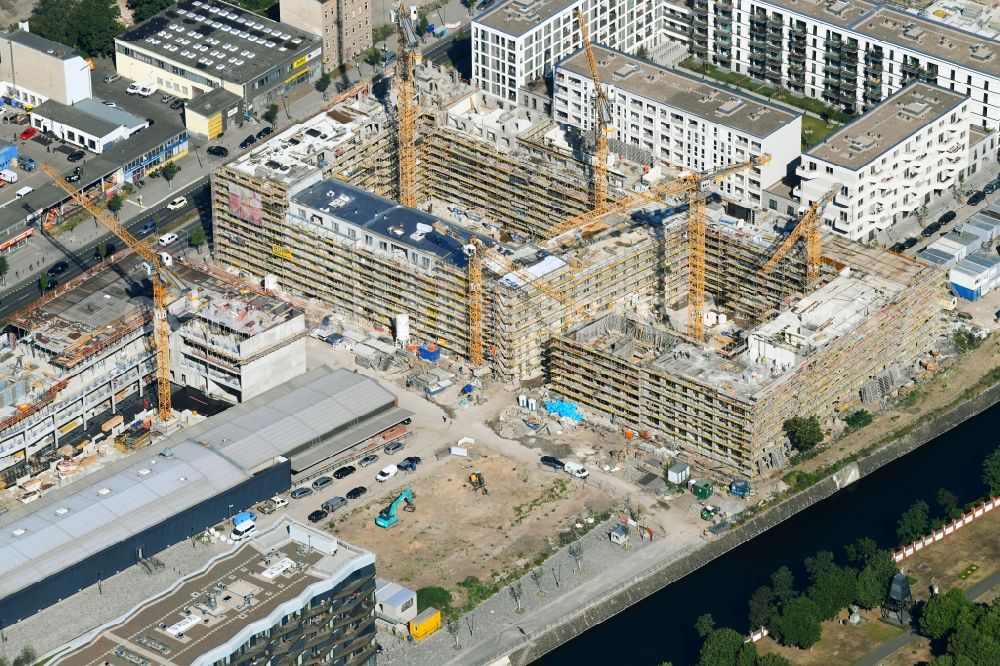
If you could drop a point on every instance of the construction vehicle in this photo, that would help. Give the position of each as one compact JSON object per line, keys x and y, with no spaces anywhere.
{"x":477,"y":482}
{"x":809,"y":227}
{"x":387,"y":517}
{"x":602,"y":115}
{"x":159,"y":276}
{"x":406,"y":115}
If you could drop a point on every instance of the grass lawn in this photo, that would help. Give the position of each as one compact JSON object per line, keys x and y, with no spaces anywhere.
{"x":841,"y":644}
{"x":814,"y":130}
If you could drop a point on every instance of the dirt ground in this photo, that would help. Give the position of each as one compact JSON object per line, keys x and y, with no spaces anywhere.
{"x":456,"y":532}
{"x":841,"y":644}
{"x":12,"y":11}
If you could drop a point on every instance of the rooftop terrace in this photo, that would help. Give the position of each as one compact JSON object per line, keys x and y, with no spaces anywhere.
{"x":516,"y":17}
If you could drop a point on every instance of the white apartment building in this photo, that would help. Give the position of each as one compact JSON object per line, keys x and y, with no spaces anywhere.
{"x":519,"y":41}
{"x":682,"y":121}
{"x":891,"y":161}
{"x":851,"y":54}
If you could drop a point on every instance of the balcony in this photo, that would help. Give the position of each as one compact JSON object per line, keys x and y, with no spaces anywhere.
{"x":723,"y":27}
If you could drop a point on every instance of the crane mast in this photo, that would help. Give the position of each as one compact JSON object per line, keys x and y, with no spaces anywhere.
{"x":406,"y":40}
{"x":809,"y":228}
{"x":602,"y":115}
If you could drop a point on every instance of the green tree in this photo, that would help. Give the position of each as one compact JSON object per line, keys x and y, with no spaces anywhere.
{"x":115,"y":204}
{"x":4,"y":269}
{"x":819,"y":563}
{"x":783,"y":585}
{"x":914,"y":522}
{"x":723,"y":646}
{"x":372,"y":56}
{"x":833,"y":589}
{"x":761,"y":607}
{"x":169,"y":172}
{"x":438,"y":597}
{"x":642,"y":52}
{"x":382,"y":32}
{"x":143,"y":9}
{"x":859,"y":419}
{"x":704,"y":625}
{"x":470,"y":5}
{"x":804,"y":433}
{"x":965,"y":342}
{"x":862,"y":551}
{"x":798,"y":623}
{"x":43,"y":282}
{"x":973,"y":642}
{"x":271,"y":115}
{"x":423,"y":25}
{"x":991,"y":472}
{"x":873,"y":584}
{"x":54,"y":19}
{"x":97,"y":24}
{"x":943,"y":613}
{"x":323,"y":82}
{"x":102,"y":250}
{"x":948,"y":503}
{"x":771,"y":659}
{"x":197,"y":238}
{"x":26,"y":657}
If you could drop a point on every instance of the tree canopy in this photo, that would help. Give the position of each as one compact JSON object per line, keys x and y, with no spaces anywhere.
{"x":804,"y":433}
{"x":914,"y":522}
{"x":88,"y":25}
{"x":991,"y":472}
{"x":798,"y":623}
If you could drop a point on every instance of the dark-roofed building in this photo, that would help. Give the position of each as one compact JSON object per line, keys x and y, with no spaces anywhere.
{"x":135,"y":507}
{"x":87,"y":124}
{"x":194,"y":47}
{"x":34,"y":69}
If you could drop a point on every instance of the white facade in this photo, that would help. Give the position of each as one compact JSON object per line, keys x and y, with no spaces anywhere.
{"x":683,"y":122}
{"x":88,"y":124}
{"x":520,"y":41}
{"x":34,"y":69}
{"x":891,"y":162}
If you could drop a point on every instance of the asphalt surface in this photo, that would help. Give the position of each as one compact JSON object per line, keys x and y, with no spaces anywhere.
{"x":457,"y":52}
{"x":199,"y":199}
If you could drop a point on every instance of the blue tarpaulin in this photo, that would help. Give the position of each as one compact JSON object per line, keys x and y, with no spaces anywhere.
{"x":468,"y":388}
{"x":562,"y":408}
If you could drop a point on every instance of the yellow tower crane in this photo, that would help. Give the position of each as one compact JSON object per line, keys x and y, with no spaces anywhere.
{"x":406,"y":39}
{"x":474,"y":254}
{"x":809,"y":227}
{"x":602,"y":115}
{"x":694,"y":185}
{"x":159,"y":276}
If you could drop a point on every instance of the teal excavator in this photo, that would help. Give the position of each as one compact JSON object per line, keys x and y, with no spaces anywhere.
{"x":387,"y":518}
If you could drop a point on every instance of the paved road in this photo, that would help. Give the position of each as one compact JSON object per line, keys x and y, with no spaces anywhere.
{"x":887,"y":649}
{"x":80,"y":259}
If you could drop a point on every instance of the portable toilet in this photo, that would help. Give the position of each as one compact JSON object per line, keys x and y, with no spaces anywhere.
{"x":740,"y":487}
{"x":701,"y":489}
{"x":425,"y":623}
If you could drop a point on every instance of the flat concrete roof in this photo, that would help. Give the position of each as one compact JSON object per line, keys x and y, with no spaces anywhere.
{"x":76,"y":118}
{"x":887,"y":125}
{"x":212,"y":102}
{"x":933,"y":39}
{"x":41,"y":44}
{"x":516,"y":17}
{"x":714,"y":103}
{"x":838,"y":12}
{"x":219,"y":40}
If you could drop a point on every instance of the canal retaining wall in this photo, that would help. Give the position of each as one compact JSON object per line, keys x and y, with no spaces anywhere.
{"x":654,"y":579}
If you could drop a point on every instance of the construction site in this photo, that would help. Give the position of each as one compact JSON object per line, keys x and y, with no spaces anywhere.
{"x":526,"y":250}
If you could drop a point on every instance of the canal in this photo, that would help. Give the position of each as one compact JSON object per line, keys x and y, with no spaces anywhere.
{"x":661,"y":629}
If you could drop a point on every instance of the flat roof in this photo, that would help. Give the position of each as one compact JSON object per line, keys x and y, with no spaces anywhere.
{"x":933,"y":39}
{"x":977,"y":263}
{"x":214,"y":101}
{"x":409,"y":227}
{"x":714,"y":103}
{"x":116,"y":115}
{"x":262,"y":580}
{"x":41,"y":44}
{"x":837,"y":12}
{"x":219,"y":39}
{"x":76,"y":118}
{"x":516,"y":17}
{"x":887,"y":125}
{"x":66,"y":525}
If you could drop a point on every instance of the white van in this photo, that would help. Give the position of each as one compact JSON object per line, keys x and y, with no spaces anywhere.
{"x":8,"y":175}
{"x":386,"y":473}
{"x":576,"y":469}
{"x":168,"y":238}
{"x":243,"y":531}
{"x":24,"y":191}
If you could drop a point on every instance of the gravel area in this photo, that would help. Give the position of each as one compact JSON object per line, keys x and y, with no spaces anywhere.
{"x":92,"y":607}
{"x":500,"y":611}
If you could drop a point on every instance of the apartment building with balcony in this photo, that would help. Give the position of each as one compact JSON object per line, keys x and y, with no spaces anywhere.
{"x":891,"y":162}
{"x":682,"y":121}
{"x":851,"y":54}
{"x":519,"y":41}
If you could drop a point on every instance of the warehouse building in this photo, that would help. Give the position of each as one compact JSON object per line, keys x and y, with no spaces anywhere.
{"x":681,"y":121}
{"x":194,"y":47}
{"x":302,"y":596}
{"x":34,"y":69}
{"x":128,"y":510}
{"x":87,"y":124}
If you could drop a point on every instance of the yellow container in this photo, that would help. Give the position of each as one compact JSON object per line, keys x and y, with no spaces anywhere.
{"x":425,"y":624}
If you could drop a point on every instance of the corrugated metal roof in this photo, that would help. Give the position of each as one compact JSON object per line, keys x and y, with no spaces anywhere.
{"x":130,"y":495}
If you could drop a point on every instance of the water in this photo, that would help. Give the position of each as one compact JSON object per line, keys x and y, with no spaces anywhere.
{"x":661,"y":627}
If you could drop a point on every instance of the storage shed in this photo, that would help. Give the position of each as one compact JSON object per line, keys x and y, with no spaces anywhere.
{"x":426,"y":623}
{"x":701,"y":489}
{"x":679,"y":473}
{"x":976,"y":275}
{"x":394,"y":603}
{"x":619,"y":535}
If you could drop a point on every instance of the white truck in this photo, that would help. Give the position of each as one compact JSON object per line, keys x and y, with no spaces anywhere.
{"x":576,"y":470}
{"x":8,"y":175}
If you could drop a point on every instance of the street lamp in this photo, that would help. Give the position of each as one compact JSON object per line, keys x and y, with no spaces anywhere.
{"x":230,"y":513}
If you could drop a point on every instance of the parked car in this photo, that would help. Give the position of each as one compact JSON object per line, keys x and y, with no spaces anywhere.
{"x":386,"y":473}
{"x":344,"y":472}
{"x":27,"y":163}
{"x":109,"y":103}
{"x":147,"y":228}
{"x":167,"y":99}
{"x":53,"y":283}
{"x":179,"y":202}
{"x":976,"y":198}
{"x":355,"y":493}
{"x":133,"y":88}
{"x":947,"y":217}
{"x":145,"y":90}
{"x":576,"y":469}
{"x":75,"y":176}
{"x":279,"y":502}
{"x":896,"y":247}
{"x":369,"y":459}
{"x":111,"y":78}
{"x":301,"y":492}
{"x":57,"y":269}
{"x":392,"y":447}
{"x":28,"y":133}
{"x":909,"y":242}
{"x":931,"y":229}
{"x":167,"y":238}
{"x":408,"y":464}
{"x":991,"y":186}
{"x":334,"y":503}
{"x":317,"y":515}
{"x":76,"y":156}
{"x":267,"y":131}
{"x":249,"y":141}
{"x":177,"y":104}
{"x":554,"y":463}
{"x":321,"y":482}
{"x":218,"y":151}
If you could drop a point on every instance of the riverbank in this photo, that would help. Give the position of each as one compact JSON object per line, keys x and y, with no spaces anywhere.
{"x":968,"y":397}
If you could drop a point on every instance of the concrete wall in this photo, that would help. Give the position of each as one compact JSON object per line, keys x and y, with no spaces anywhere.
{"x":38,"y":76}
